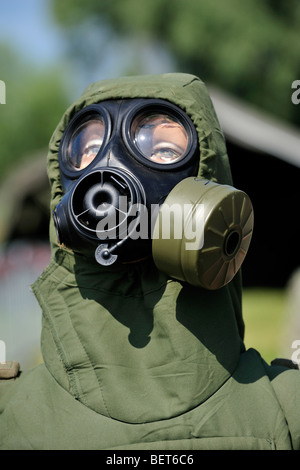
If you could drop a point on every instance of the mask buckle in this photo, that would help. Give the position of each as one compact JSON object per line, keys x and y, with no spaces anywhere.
{"x":104,"y":256}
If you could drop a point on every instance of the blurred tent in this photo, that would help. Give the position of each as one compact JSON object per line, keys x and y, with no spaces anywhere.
{"x":250,"y":128}
{"x":265,"y":159}
{"x":24,"y":200}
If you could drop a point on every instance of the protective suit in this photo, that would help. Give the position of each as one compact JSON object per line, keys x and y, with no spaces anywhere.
{"x":133,"y":358}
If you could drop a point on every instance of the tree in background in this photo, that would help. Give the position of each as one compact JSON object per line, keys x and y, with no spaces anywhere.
{"x":35,"y":101}
{"x":250,"y":49}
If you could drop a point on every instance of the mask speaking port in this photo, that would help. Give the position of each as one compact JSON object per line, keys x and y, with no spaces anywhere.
{"x":99,"y":213}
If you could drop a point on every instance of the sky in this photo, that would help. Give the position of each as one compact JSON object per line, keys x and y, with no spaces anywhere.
{"x":27,"y":25}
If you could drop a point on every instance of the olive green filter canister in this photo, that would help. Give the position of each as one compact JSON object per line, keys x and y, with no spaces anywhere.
{"x":202,"y":232}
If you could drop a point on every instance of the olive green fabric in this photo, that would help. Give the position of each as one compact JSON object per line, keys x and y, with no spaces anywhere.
{"x":137,"y":346}
{"x":131,"y":344}
{"x":133,"y":359}
{"x":244,"y":414}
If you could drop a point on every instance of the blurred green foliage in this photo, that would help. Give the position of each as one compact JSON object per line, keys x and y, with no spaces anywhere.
{"x":35,"y":101}
{"x":251,"y":48}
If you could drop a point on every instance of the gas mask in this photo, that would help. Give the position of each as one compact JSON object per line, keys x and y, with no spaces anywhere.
{"x":129,"y":177}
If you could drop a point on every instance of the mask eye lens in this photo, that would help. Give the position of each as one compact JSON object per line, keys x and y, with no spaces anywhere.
{"x":85,"y":143}
{"x":161,"y":138}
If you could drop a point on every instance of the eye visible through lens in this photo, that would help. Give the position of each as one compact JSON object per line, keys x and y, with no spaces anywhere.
{"x":161,"y":138}
{"x":85,"y":143}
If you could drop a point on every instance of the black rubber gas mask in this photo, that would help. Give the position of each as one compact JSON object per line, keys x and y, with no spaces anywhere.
{"x":128,"y":171}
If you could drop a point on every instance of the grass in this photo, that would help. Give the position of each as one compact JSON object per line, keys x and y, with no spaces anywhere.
{"x":263,"y":311}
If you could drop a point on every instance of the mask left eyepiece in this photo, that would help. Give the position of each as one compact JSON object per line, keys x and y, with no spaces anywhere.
{"x":85,"y":135}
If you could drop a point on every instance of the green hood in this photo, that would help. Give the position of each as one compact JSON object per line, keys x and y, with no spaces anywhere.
{"x":126,"y":341}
